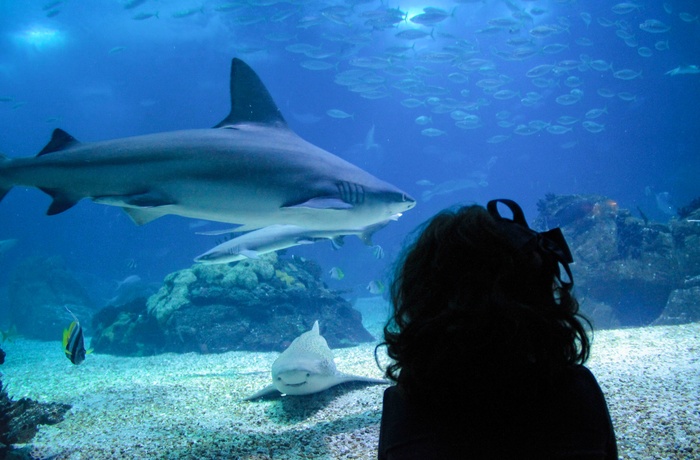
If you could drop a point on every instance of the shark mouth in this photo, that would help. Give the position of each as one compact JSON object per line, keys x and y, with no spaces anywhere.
{"x":294,"y":384}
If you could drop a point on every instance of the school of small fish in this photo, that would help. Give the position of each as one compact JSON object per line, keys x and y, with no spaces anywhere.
{"x":476,"y":64}
{"x":456,"y":66}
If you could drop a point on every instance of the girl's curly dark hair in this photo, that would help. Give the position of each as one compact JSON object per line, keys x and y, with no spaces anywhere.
{"x":473,"y":313}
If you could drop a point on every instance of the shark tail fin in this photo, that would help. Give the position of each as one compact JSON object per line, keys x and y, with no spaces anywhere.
{"x":60,"y":140}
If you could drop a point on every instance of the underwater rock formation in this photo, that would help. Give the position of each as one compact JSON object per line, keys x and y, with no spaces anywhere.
{"x":627,"y":264}
{"x":686,"y":238}
{"x":38,"y":290}
{"x":19,"y":419}
{"x":683,"y":304}
{"x":683,"y":307}
{"x":127,"y":330}
{"x":256,"y":305}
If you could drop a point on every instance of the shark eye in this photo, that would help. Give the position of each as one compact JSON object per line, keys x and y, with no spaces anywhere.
{"x":308,"y":375}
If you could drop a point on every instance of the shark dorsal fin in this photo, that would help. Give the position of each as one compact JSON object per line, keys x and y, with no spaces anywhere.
{"x":60,"y":140}
{"x":250,"y":100}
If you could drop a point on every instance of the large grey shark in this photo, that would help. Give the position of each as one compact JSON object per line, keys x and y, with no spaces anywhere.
{"x":272,"y":238}
{"x":307,"y":367}
{"x":250,"y":169}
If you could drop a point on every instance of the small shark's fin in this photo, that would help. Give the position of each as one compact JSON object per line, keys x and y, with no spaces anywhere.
{"x":142,"y":216}
{"x":60,"y":140}
{"x":321,"y":203}
{"x":267,"y":391}
{"x":61,"y":201}
{"x":250,"y":100}
{"x":338,"y":241}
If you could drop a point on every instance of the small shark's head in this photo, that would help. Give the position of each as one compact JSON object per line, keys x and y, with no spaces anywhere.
{"x":224,"y":253}
{"x":303,"y":373}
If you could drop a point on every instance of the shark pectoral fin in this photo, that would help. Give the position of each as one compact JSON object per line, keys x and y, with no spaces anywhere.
{"x":267,"y":391}
{"x":142,"y":208}
{"x":321,"y":203}
{"x":141,"y":216}
{"x":61,"y":201}
{"x":249,"y":253}
{"x":342,"y":378}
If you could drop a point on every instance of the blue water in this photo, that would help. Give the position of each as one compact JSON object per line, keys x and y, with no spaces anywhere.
{"x":95,"y":71}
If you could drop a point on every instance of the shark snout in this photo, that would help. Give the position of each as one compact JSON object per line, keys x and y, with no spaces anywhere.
{"x":408,"y":201}
{"x":292,"y":379}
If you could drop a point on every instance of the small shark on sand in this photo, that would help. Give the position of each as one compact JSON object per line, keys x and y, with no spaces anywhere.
{"x":250,"y":169}
{"x":307,"y":367}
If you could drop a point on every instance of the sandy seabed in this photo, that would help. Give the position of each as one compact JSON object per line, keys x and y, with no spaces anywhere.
{"x":190,"y":406}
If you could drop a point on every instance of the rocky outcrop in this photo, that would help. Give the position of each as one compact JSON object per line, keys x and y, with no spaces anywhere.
{"x":626,"y":267}
{"x":38,"y":291}
{"x":19,"y":420}
{"x":127,"y":330}
{"x":260,"y":304}
{"x":683,"y":305}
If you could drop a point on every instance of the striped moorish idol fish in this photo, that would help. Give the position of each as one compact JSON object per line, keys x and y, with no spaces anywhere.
{"x":74,"y":341}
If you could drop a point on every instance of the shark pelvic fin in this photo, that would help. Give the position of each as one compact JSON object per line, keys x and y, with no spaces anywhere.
{"x":250,"y":100}
{"x":60,"y":140}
